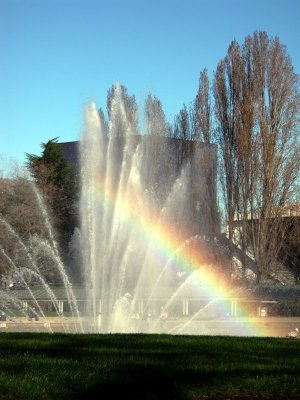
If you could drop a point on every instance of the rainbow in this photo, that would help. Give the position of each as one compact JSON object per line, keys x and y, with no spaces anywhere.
{"x":165,"y":242}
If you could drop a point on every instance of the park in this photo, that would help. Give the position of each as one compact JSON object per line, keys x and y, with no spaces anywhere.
{"x":161,"y":261}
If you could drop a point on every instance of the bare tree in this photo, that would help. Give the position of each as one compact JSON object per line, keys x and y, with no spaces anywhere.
{"x":226,"y":94}
{"x":183,"y":124}
{"x":182,"y":131}
{"x":155,"y":119}
{"x":22,"y":232}
{"x":157,"y":129}
{"x":202,"y":110}
{"x":257,"y":103}
{"x":277,"y":99}
{"x":122,"y":110}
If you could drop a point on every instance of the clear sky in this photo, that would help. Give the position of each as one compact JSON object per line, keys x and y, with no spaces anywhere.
{"x":57,"y":55}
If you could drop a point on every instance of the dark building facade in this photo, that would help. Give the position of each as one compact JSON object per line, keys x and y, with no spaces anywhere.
{"x":163,"y":161}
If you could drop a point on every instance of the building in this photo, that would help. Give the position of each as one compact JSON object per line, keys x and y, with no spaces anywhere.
{"x":163,"y":160}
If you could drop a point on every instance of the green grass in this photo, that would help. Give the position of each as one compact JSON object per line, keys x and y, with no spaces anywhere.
{"x":62,"y":366}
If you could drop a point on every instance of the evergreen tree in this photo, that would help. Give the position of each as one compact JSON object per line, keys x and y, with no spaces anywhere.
{"x":51,"y":167}
{"x":59,"y":183}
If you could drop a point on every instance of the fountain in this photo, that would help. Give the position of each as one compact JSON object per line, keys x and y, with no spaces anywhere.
{"x":146,"y":223}
{"x":147,"y":237}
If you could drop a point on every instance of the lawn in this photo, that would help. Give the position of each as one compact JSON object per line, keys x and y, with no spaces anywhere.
{"x":66,"y":366}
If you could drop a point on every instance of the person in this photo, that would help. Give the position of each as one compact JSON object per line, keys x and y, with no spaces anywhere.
{"x":163,"y":317}
{"x":30,"y":315}
{"x":2,"y":316}
{"x":33,"y":314}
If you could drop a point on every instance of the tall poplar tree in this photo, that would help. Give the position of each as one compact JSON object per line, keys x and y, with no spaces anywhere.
{"x":256,"y":107}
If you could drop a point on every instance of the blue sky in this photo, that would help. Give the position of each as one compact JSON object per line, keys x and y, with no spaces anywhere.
{"x":57,"y":55}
